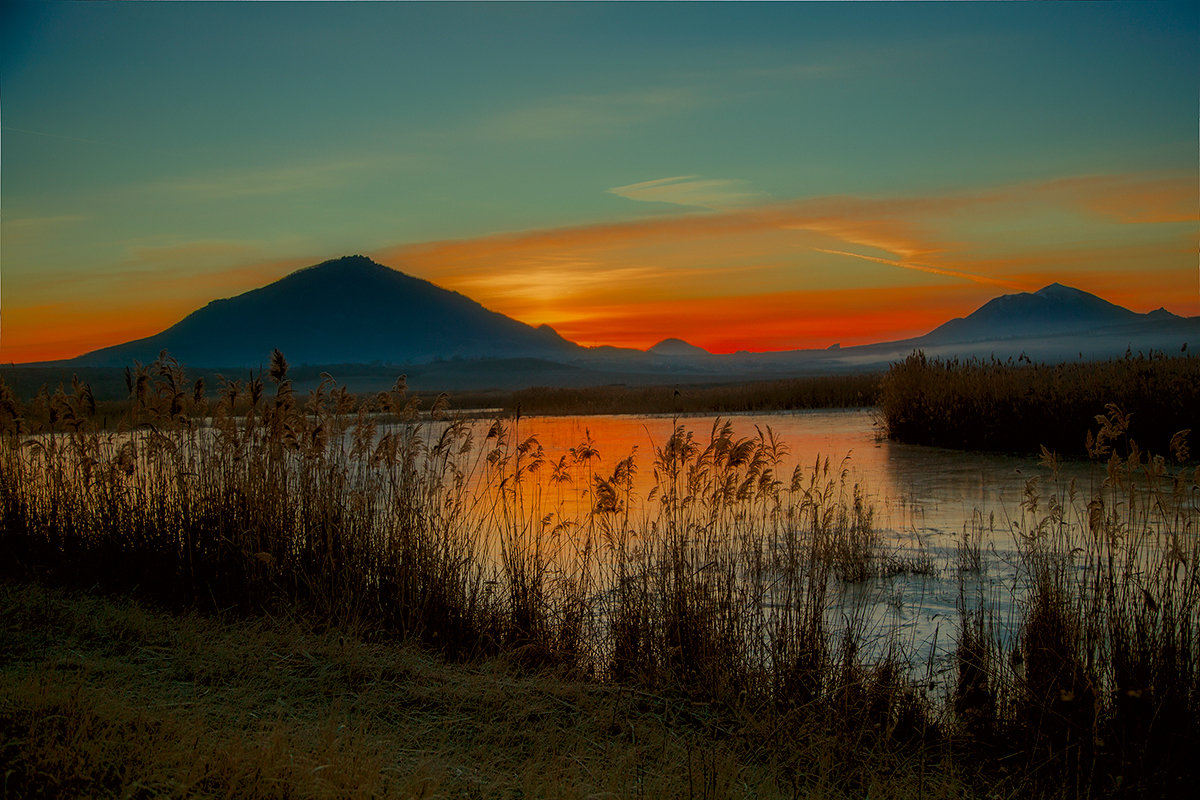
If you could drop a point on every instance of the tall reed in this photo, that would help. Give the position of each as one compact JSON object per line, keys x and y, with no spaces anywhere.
{"x":1019,"y":406}
{"x":255,"y":497}
{"x":1095,"y":690}
{"x":728,"y":586}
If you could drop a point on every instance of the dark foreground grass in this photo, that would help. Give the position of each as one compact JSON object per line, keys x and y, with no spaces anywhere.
{"x":1021,"y":407}
{"x":720,"y":599}
{"x":105,"y":697}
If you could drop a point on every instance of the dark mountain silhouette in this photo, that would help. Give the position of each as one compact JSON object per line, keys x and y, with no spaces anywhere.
{"x":1054,"y":324}
{"x":1161,"y":314}
{"x":1054,"y":309}
{"x":677,"y":347}
{"x":353,"y":311}
{"x":349,"y":310}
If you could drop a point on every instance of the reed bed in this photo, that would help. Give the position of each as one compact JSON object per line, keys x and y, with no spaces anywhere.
{"x":728,"y":587}
{"x":1095,"y":686}
{"x":1019,"y":406}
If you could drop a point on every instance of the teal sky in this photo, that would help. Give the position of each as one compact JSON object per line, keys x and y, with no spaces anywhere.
{"x":157,"y":155}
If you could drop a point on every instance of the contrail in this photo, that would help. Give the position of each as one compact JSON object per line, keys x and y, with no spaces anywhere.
{"x":49,"y":135}
{"x":925,"y":268}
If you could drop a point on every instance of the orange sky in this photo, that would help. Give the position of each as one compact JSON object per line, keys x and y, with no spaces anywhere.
{"x":842,"y":270}
{"x":765,"y":276}
{"x":740,"y":175}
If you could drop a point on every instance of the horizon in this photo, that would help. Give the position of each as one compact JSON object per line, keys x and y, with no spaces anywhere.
{"x":665,"y":341}
{"x":762,"y":178}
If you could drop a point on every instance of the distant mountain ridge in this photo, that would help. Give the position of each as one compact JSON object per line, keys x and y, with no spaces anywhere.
{"x":342,"y":311}
{"x":1051,"y":310}
{"x":351,"y":310}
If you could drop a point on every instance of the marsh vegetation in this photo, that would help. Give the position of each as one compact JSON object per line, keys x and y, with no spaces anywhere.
{"x":821,"y":391}
{"x":713,"y":576}
{"x":1021,"y":406}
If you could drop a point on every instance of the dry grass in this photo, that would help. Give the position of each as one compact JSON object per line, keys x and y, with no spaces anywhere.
{"x":1022,"y":407}
{"x":1095,"y":691}
{"x":709,"y":615}
{"x":103,"y":697}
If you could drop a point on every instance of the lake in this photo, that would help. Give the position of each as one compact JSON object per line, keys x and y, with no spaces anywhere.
{"x":924,"y":499}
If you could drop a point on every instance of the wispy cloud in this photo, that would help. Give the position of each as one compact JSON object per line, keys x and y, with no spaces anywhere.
{"x":1135,"y":198}
{"x":625,"y":281}
{"x":913,"y":265}
{"x":754,"y":276}
{"x":790,"y":72}
{"x":281,"y":179}
{"x":691,"y":190}
{"x":578,"y":115}
{"x":48,"y":135}
{"x":23,"y":230}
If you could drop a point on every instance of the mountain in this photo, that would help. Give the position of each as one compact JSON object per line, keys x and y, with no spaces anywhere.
{"x":359,"y":319}
{"x":346,"y":311}
{"x":677,"y":347}
{"x":1054,"y":324}
{"x":1052,"y":310}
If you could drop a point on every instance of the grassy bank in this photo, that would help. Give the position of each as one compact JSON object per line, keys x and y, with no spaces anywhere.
{"x":1021,"y":407}
{"x":730,"y":590}
{"x":105,"y":697}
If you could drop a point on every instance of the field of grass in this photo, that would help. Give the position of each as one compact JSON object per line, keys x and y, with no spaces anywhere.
{"x":1021,"y":407}
{"x":720,"y":605}
{"x":102,"y":696}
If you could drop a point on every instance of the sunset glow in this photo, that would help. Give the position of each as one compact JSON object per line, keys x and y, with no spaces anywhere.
{"x":761,"y":177}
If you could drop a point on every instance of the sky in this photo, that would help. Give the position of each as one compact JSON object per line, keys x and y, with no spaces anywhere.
{"x":743,"y":176}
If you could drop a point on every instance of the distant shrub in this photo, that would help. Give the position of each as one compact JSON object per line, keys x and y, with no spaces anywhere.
{"x":823,"y":391}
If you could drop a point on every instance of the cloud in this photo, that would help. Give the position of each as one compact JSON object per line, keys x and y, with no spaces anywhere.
{"x":606,"y":282}
{"x":950,"y":273}
{"x":1153,"y":198}
{"x":690,"y":190}
{"x":573,"y":116}
{"x":790,"y":72}
{"x":282,"y":179}
{"x":755,"y":276}
{"x":49,"y":135}
{"x":27,"y":230}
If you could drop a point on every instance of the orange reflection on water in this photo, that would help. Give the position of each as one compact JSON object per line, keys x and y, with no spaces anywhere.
{"x":806,"y":436}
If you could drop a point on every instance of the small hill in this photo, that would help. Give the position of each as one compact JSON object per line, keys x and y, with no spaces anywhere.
{"x":348,"y":310}
{"x":677,"y":347}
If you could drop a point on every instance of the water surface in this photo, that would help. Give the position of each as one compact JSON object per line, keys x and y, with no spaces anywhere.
{"x":925,"y":500}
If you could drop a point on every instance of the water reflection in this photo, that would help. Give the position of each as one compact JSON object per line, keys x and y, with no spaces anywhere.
{"x":926,"y":500}
{"x":923,"y":490}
